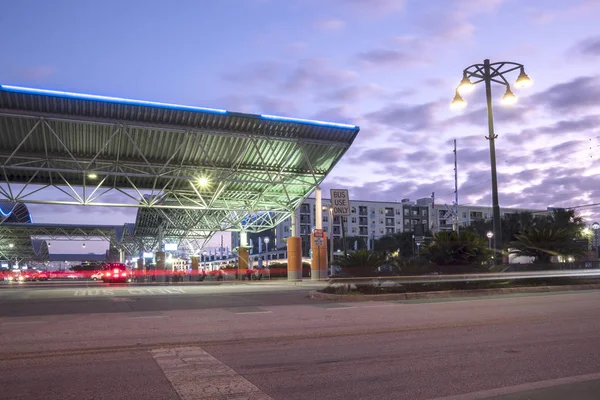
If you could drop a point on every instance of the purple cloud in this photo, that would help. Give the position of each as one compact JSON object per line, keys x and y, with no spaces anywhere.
{"x":258,"y":74}
{"x":411,"y":118}
{"x":589,"y":47}
{"x":571,"y":97}
{"x":353,"y":93}
{"x":388,"y":58}
{"x":317,"y":73}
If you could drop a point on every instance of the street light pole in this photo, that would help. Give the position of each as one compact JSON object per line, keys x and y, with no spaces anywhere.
{"x":596,"y":228}
{"x":488,"y":73}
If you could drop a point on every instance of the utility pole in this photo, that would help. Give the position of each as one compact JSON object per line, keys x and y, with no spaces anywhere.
{"x":456,"y":189}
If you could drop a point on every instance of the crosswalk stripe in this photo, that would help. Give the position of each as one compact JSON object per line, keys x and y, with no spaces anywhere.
{"x":196,"y":375}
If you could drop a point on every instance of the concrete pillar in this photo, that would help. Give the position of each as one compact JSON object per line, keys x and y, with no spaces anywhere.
{"x":161,"y":265}
{"x":318,"y":209}
{"x":318,"y":265}
{"x":243,"y":239}
{"x":294,"y":247}
{"x":294,"y":227}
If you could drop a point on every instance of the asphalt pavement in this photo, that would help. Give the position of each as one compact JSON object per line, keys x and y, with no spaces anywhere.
{"x":269,"y":341}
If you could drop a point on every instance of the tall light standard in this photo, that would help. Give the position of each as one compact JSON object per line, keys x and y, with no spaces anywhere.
{"x":490,"y":235}
{"x":488,"y":73}
{"x":596,"y":228}
{"x":266,"y":240}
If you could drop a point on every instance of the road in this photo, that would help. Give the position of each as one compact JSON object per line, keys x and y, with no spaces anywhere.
{"x":269,"y":341}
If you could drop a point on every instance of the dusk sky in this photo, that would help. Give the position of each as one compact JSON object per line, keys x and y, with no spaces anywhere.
{"x":389,"y":66}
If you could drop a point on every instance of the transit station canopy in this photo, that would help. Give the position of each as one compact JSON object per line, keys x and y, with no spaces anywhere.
{"x":191,"y":171}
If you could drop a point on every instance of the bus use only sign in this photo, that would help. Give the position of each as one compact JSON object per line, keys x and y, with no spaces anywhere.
{"x":340,"y":202}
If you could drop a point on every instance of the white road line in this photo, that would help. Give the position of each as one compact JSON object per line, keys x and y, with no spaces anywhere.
{"x":254,"y":312}
{"x":504,"y":391}
{"x":196,"y":375}
{"x":339,"y":308}
{"x":23,"y":322}
{"x":150,"y":316}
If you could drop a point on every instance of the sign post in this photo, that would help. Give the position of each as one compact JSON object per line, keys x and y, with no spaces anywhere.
{"x":318,"y":241}
{"x":340,"y":204}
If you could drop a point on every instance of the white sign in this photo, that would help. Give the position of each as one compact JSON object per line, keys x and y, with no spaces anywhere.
{"x":170,"y":246}
{"x":340,"y":201}
{"x":318,"y":237}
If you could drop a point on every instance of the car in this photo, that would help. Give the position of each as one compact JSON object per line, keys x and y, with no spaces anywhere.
{"x":96,"y":276}
{"x":115,"y":272}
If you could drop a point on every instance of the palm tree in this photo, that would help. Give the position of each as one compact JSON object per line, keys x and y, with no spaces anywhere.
{"x":360,"y":262}
{"x":450,"y":248}
{"x":544,"y":243}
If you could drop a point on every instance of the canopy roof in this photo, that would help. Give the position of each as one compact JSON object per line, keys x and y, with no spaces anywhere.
{"x":194,"y":170}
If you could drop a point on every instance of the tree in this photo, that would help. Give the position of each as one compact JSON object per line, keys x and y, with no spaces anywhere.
{"x":401,"y":242}
{"x":450,"y":248}
{"x":544,"y":243}
{"x":564,"y":219}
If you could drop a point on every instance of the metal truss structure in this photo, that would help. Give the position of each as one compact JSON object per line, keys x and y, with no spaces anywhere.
{"x":190,"y":171}
{"x":30,"y":242}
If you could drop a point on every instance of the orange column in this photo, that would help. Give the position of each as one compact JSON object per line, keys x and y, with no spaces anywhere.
{"x":243,"y":261}
{"x":195,"y":268}
{"x":294,"y":250}
{"x":318,"y":265}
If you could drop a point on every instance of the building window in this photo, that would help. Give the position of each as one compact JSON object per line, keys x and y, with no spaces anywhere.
{"x":353,"y":220}
{"x":398,"y":211}
{"x":353,"y":210}
{"x":381,"y":211}
{"x":406,"y":222}
{"x":325,"y":218}
{"x":389,"y":231}
{"x":381,"y":220}
{"x":389,"y":222}
{"x":415,"y":213}
{"x":325,"y":229}
{"x":286,"y":228}
{"x":424,"y":212}
{"x":398,"y":221}
{"x":464,"y":214}
{"x":353,"y":229}
{"x":406,"y":212}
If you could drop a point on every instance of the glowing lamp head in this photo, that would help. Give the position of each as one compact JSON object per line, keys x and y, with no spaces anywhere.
{"x":490,"y":235}
{"x":465,"y":86}
{"x":92,"y":176}
{"x":509,"y":97}
{"x":458,"y":102}
{"x":523,"y":80}
{"x":203,"y":181}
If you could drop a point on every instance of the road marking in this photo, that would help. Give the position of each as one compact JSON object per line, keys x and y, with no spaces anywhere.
{"x":24,"y":322}
{"x":339,"y":308}
{"x":150,"y":316}
{"x":196,"y":375}
{"x":503,"y":391}
{"x":254,"y":312}
{"x":127,"y":292}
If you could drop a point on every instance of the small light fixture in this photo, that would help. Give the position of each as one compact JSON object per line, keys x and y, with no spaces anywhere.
{"x":83,"y":245}
{"x":11,"y":245}
{"x":509,"y":97}
{"x":92,"y":175}
{"x":465,"y":86}
{"x":523,"y":80}
{"x":458,"y":102}
{"x":490,"y":235}
{"x":203,"y":181}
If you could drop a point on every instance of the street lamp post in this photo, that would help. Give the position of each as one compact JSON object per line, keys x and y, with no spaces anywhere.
{"x":266,"y":240}
{"x":488,"y":73}
{"x":490,"y":235}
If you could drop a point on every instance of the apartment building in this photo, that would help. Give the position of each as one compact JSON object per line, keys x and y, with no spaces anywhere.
{"x":374,"y":219}
{"x":445,"y":216}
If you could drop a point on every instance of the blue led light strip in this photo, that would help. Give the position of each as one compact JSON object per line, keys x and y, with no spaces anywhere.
{"x":308,"y":121}
{"x":107,"y":99}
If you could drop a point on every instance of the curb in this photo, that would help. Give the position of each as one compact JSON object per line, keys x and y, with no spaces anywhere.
{"x":314,"y":294}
